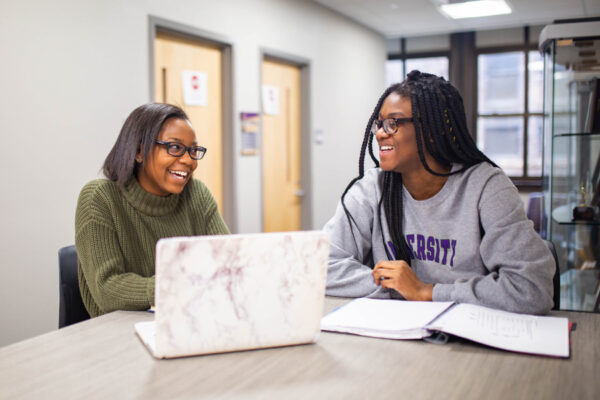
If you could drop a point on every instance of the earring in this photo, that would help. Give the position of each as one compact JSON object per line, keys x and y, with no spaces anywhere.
{"x":138,"y":160}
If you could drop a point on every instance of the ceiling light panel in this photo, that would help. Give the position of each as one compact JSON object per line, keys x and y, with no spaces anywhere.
{"x":474,"y":8}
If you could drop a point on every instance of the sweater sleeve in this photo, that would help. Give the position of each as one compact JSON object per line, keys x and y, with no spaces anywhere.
{"x":350,"y":266}
{"x":108,"y":286}
{"x":519,"y":263}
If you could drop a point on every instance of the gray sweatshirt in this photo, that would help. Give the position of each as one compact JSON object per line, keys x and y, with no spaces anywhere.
{"x":507,"y":266}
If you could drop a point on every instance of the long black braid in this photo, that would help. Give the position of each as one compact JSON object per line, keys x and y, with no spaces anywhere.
{"x":441,"y":126}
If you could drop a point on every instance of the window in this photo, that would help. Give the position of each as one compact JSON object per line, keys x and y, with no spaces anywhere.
{"x":433,"y":65}
{"x":509,"y":112}
{"x":396,"y":70}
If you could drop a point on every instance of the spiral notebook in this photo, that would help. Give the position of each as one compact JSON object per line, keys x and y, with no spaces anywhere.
{"x":397,"y":319}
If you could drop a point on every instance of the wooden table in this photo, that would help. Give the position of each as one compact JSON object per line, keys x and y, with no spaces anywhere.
{"x":102,"y":358}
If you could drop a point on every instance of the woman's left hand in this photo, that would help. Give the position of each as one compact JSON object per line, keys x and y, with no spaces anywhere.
{"x":398,"y":275}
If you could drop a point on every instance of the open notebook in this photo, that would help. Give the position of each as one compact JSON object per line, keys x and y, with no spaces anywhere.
{"x":397,"y":319}
{"x":236,"y":292}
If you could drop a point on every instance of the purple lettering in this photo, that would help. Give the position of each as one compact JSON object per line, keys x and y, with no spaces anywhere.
{"x":420,"y":247}
{"x":410,"y":239}
{"x":430,"y":250}
{"x":453,"y":253}
{"x":445,"y":245}
{"x":437,"y":250}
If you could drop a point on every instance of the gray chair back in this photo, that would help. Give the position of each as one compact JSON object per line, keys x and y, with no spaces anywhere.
{"x":556,"y":279}
{"x":535,"y":212}
{"x":71,"y":309}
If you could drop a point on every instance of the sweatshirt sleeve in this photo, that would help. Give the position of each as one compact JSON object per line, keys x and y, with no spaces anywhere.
{"x":350,"y":267}
{"x":520,"y":264}
{"x":101,"y":261}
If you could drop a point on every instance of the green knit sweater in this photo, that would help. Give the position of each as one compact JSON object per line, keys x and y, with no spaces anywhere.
{"x":116,"y":231}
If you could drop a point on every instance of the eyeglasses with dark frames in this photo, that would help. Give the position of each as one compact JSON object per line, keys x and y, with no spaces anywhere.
{"x":177,"y":149}
{"x":390,"y":125}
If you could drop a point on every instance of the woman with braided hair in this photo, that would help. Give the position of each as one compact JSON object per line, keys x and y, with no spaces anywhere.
{"x":436,"y":219}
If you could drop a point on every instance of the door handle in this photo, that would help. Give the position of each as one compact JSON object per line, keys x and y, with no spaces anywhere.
{"x":300,"y":193}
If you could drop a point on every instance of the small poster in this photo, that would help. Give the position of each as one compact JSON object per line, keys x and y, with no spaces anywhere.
{"x":270,"y":100}
{"x":194,"y":88}
{"x":250,"y":123}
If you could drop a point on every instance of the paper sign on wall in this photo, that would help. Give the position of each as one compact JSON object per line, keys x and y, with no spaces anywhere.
{"x":250,"y":123}
{"x":194,"y":88}
{"x":270,"y":99}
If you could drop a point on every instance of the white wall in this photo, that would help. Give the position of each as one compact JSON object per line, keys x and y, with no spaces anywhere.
{"x":72,"y":70}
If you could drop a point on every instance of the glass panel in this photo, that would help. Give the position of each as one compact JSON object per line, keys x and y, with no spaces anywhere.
{"x":576,"y":238}
{"x":564,"y":88}
{"x":547,"y":164}
{"x":394,"y":72}
{"x":535,"y":134}
{"x":501,"y":139}
{"x":501,"y":83}
{"x":585,"y":112}
{"x":535,"y":68}
{"x":433,"y":65}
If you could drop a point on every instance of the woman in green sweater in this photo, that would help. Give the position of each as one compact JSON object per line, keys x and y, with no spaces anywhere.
{"x":149,"y":194}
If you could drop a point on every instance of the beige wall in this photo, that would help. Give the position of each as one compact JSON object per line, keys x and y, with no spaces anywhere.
{"x":72,"y":70}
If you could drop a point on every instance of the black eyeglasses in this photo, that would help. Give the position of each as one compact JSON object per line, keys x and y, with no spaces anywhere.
{"x":390,"y":125}
{"x":177,"y":149}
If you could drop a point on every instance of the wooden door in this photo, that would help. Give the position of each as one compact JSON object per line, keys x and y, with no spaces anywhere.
{"x":281,"y":150}
{"x":172,"y":56}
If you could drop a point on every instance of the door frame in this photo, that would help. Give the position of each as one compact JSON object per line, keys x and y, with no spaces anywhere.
{"x":157,"y":24}
{"x":305,"y":132}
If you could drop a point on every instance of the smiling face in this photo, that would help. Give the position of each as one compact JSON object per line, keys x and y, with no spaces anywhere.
{"x":162,"y":174}
{"x":398,"y":152}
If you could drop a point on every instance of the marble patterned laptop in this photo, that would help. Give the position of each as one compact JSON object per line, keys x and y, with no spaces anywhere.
{"x":236,"y":292}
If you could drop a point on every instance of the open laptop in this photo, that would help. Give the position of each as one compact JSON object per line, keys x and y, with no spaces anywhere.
{"x":236,"y":292}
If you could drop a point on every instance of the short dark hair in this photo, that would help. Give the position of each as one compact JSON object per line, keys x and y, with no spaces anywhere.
{"x":139,"y":132}
{"x":441,"y":128}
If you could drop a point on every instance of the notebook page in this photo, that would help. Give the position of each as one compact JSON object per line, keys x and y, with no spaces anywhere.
{"x":394,"y":319}
{"x":505,"y":330}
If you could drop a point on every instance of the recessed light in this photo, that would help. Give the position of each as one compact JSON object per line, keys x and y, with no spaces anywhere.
{"x":473,"y":8}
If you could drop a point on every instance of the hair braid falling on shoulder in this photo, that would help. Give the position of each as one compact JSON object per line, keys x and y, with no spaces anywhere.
{"x":441,"y":131}
{"x":367,"y":142}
